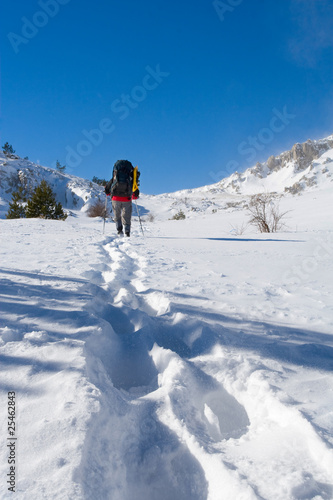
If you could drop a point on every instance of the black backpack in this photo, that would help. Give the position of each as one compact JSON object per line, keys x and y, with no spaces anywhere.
{"x":121,"y":183}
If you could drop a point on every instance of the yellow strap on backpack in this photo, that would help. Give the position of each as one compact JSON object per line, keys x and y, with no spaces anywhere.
{"x":135,"y":174}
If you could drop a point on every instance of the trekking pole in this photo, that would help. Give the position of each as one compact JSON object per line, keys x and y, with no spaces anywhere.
{"x":137,"y":209}
{"x":106,"y":201}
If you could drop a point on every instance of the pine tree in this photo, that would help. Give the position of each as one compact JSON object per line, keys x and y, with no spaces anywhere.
{"x":8,"y":149}
{"x":100,"y":182}
{"x":43,"y":204}
{"x":16,"y":208}
{"x":59,"y":213}
{"x":59,"y":167}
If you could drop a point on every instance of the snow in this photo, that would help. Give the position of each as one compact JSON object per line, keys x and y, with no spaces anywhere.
{"x":192,"y":363}
{"x":290,"y":175}
{"x":71,"y":191}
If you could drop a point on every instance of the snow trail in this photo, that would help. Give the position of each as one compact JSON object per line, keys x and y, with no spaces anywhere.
{"x":128,"y":451}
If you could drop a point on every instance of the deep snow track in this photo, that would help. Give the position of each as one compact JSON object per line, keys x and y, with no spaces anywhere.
{"x":192,"y":401}
{"x":129,"y":453}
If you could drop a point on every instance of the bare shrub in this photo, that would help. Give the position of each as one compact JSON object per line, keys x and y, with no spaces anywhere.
{"x":98,"y":209}
{"x":239,"y":230}
{"x":265,"y":213}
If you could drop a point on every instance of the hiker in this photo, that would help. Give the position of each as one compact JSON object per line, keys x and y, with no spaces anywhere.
{"x":123,"y":187}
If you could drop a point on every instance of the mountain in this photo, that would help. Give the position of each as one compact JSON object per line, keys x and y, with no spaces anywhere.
{"x":304,"y":170}
{"x":306,"y":166}
{"x":72,"y":191}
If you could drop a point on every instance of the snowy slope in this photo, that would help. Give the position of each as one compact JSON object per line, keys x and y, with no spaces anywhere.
{"x":72,"y":191}
{"x":189,"y":364}
{"x":306,"y":167}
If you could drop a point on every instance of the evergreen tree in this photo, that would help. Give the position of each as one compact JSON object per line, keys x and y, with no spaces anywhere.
{"x":59,"y":213}
{"x":8,"y":149}
{"x":16,"y":208}
{"x":59,"y":167}
{"x":100,"y":182}
{"x":43,"y":204}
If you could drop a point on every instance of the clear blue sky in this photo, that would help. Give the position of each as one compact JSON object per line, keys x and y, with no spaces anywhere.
{"x":188,"y":90}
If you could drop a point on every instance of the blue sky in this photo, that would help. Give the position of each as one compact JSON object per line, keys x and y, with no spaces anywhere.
{"x":188,"y":90}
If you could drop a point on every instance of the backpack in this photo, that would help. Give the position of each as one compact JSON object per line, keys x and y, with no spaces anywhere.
{"x":121,"y":183}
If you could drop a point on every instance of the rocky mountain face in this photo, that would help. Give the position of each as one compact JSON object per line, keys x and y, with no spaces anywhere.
{"x":306,"y":165}
{"x":301,"y":154}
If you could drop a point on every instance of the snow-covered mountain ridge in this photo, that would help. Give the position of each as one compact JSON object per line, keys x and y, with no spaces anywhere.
{"x":305,"y":166}
{"x":73,"y":192}
{"x":305,"y":170}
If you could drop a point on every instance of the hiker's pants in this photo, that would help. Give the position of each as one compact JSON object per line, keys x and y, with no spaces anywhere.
{"x":122,"y":211}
